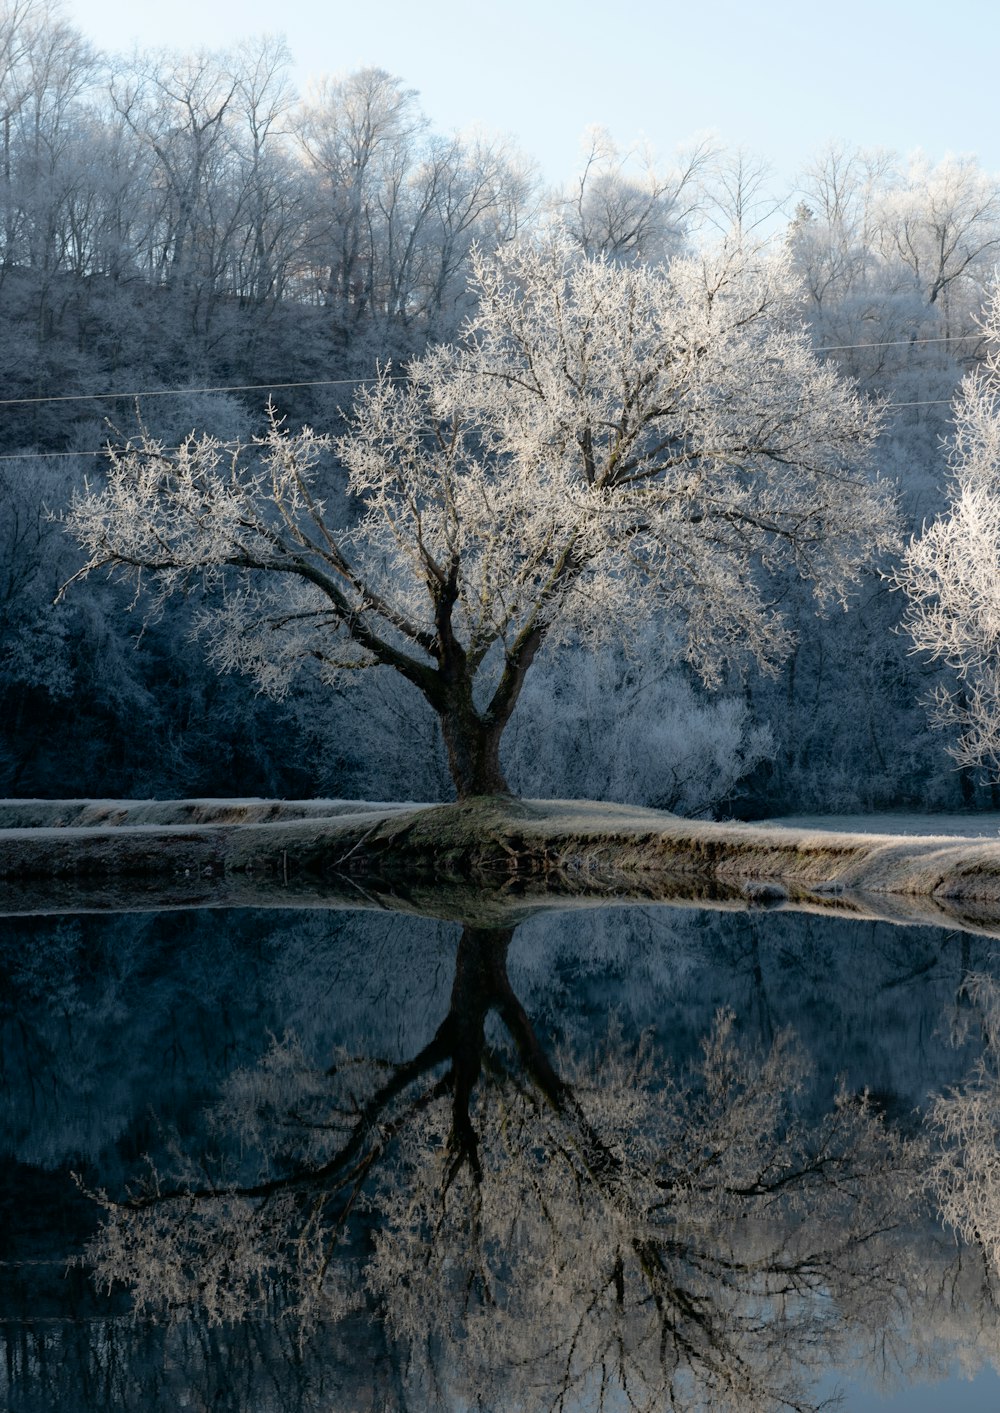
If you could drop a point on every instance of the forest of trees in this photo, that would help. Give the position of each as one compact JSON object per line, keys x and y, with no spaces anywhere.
{"x":183,"y":237}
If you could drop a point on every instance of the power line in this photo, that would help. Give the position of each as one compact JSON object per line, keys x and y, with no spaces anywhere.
{"x":181,"y":392}
{"x":44,"y":455}
{"x":356,"y":382}
{"x":58,"y":455}
{"x":897,"y":343}
{"x":397,"y":377}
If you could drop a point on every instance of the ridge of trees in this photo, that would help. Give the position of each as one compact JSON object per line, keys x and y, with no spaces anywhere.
{"x":168,"y":221}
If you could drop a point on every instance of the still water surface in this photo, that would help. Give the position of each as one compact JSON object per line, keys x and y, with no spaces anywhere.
{"x":332,"y":1160}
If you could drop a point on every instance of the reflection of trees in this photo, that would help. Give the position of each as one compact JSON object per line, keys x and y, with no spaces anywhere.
{"x":545,"y":1228}
{"x":252,"y":1367}
{"x":965,"y":1176}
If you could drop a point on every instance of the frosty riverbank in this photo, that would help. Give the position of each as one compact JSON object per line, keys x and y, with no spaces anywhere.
{"x":515,"y":853}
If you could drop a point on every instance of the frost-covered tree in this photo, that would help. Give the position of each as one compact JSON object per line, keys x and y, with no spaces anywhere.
{"x":849,"y":727}
{"x":951,"y":571}
{"x":943,"y":224}
{"x":609,"y":442}
{"x":622,"y":208}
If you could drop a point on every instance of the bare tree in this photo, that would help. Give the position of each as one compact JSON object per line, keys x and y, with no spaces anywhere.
{"x":361,"y":136}
{"x":270,"y":186}
{"x":943,"y":223}
{"x":177,"y":106}
{"x":622,"y":208}
{"x":737,"y":198}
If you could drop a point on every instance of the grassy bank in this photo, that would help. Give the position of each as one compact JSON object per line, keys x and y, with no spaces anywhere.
{"x":487,"y":855}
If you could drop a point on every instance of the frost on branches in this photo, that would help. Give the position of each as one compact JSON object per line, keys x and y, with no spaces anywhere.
{"x":606,"y":445}
{"x":952,"y":571}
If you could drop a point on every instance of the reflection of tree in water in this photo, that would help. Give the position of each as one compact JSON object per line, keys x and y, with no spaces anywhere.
{"x":965,"y":1174}
{"x":545,"y":1228}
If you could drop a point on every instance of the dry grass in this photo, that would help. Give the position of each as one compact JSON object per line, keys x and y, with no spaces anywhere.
{"x":483,"y":856}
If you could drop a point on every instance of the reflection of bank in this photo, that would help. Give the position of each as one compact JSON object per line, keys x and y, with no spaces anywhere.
{"x":535,"y":1227}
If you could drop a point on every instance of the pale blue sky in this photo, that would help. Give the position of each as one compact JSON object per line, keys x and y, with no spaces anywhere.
{"x":781,"y":78}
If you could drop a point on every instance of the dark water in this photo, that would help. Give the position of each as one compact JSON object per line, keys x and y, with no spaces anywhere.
{"x":651,"y":1158}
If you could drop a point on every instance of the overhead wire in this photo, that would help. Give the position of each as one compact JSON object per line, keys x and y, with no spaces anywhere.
{"x":394,"y":377}
{"x":361,"y":380}
{"x":897,"y":343}
{"x":182,"y":392}
{"x":61,"y":455}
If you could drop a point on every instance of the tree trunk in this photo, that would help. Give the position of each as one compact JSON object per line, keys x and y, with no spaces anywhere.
{"x":473,"y":745}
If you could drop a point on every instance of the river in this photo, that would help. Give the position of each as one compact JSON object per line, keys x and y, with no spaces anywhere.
{"x":317,"y":1159}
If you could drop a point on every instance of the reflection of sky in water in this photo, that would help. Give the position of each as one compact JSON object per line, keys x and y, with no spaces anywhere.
{"x":116,"y":1030}
{"x":978,"y":1395}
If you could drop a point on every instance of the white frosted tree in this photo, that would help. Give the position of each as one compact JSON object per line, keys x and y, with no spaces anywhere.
{"x":951,"y":571}
{"x":622,"y":208}
{"x":360,"y":134}
{"x":943,"y":224}
{"x":608,"y":443}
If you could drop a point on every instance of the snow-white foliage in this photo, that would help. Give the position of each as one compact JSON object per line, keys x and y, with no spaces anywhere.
{"x":622,"y":208}
{"x":952,"y":571}
{"x":245,"y":1263}
{"x":873,"y":231}
{"x":608,"y":443}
